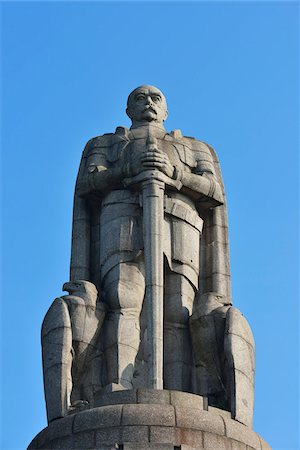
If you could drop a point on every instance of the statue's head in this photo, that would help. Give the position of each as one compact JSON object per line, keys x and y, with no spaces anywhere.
{"x":80,"y":287}
{"x":147,"y":104}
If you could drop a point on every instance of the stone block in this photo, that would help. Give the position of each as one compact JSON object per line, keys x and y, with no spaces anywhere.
{"x":153,"y":396}
{"x":204,"y":420}
{"x":135,"y":434}
{"x":240,"y":432}
{"x":185,"y":399}
{"x":59,"y":444}
{"x":109,"y":436}
{"x":161,"y":434}
{"x":56,"y":429}
{"x":214,"y":441}
{"x":191,"y":437}
{"x":115,"y":398}
{"x":104,"y":416}
{"x":148,"y":415}
{"x":120,"y":435}
{"x":235,"y":445}
{"x":220,"y":412}
{"x":187,"y":447}
{"x":148,"y":446}
{"x":83,"y":440}
{"x":108,"y":447}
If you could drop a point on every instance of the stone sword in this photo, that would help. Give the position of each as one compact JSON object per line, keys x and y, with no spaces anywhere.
{"x":153,"y":186}
{"x":153,"y":221}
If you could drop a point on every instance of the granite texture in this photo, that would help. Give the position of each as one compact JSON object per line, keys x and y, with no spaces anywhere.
{"x":146,"y":425}
{"x":146,"y":350}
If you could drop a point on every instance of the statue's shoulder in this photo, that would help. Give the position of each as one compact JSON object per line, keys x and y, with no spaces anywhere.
{"x":195,"y":146}
{"x":99,"y":141}
{"x":106,"y":140}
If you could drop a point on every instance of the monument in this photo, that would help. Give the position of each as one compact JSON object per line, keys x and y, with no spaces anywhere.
{"x":146,"y":351}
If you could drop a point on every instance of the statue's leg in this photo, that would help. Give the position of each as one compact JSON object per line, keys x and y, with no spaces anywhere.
{"x":178,"y":304}
{"x":124,"y":288}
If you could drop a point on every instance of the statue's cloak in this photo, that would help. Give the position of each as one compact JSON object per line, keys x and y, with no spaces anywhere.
{"x":214,"y":271}
{"x":214,"y":247}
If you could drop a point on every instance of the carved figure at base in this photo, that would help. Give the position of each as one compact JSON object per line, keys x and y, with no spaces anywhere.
{"x":70,"y":345}
{"x":223,"y":347}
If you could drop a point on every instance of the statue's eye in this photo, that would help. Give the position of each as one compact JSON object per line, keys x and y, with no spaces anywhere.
{"x":140,"y":97}
{"x":156,"y":99}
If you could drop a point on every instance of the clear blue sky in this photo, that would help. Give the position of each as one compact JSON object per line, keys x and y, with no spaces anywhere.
{"x":230,"y":73}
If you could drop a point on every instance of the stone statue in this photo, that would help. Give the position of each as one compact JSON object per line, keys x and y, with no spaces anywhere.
{"x":150,"y":233}
{"x":70,"y":335}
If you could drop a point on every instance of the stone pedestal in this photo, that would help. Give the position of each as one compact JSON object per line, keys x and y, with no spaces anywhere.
{"x":149,"y":419}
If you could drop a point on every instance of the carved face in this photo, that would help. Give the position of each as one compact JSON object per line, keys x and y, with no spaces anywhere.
{"x":147,"y":104}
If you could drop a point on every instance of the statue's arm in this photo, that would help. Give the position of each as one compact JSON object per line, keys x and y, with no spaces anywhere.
{"x":102,"y":175}
{"x":98,"y":175}
{"x":99,"y":179}
{"x":203,"y":188}
{"x":202,"y":183}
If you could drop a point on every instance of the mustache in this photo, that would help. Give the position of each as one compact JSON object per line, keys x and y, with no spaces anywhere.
{"x":149,"y":108}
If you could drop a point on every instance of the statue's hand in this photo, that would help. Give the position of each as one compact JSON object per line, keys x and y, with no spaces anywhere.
{"x":151,"y":158}
{"x":154,"y":158}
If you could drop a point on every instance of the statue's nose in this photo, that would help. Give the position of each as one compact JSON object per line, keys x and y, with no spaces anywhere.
{"x":148,"y":100}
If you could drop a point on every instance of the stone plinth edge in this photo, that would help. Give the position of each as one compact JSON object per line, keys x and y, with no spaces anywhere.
{"x":148,"y":420}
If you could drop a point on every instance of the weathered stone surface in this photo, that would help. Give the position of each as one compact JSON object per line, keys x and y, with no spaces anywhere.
{"x":153,"y":396}
{"x":190,"y":437}
{"x":163,"y":434}
{"x":214,"y":441}
{"x":150,"y":415}
{"x":116,"y":398}
{"x":145,"y":424}
{"x":148,"y":446}
{"x":189,"y":447}
{"x":183,"y":399}
{"x":242,"y":433}
{"x":57,"y":429}
{"x":108,"y":447}
{"x":239,"y":348}
{"x":220,"y":412}
{"x":135,"y":434}
{"x":83,"y":440}
{"x":235,"y":445}
{"x":189,"y":418}
{"x":123,"y":434}
{"x":224,"y":356}
{"x":106,"y":416}
{"x":109,"y":435}
{"x":69,"y":341}
{"x":60,"y":444}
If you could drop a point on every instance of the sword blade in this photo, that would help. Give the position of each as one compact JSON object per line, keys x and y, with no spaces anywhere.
{"x":153,"y":221}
